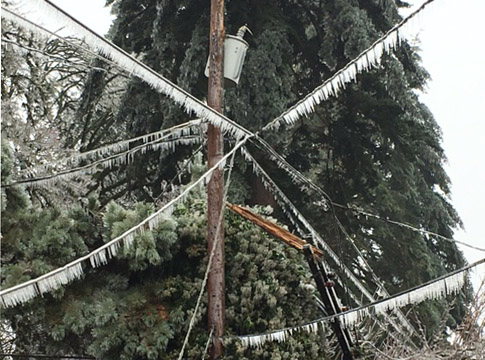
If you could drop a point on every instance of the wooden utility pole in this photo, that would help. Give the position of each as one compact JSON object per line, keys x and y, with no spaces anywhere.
{"x":216,"y":286}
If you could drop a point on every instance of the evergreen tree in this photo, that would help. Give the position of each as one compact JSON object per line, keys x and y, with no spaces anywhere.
{"x":374,"y":146}
{"x":41,"y":85}
{"x":139,"y":305}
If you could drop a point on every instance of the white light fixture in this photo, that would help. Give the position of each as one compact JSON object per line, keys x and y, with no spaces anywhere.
{"x":235,"y":48}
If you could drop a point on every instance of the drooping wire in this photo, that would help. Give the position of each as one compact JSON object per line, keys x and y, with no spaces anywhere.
{"x":381,"y":305}
{"x":357,"y":210}
{"x":209,"y":339}
{"x":77,"y":170}
{"x":129,"y":63}
{"x":52,"y":280}
{"x":61,"y":58}
{"x":271,"y":183}
{"x":307,"y":184}
{"x":344,"y":75}
{"x":148,"y":140}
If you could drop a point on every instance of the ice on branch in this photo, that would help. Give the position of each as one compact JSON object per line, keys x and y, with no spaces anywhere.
{"x":49,"y":15}
{"x":53,"y":280}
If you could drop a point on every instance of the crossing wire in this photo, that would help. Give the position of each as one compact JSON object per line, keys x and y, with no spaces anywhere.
{"x":61,"y":58}
{"x":257,"y":138}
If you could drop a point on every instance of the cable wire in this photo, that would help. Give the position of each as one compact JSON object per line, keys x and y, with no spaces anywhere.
{"x":364,"y":307}
{"x":61,"y":58}
{"x":207,"y":344}
{"x":407,"y":226}
{"x":46,"y":356}
{"x":136,"y":67}
{"x":155,"y":137}
{"x":52,"y":280}
{"x":109,"y":160}
{"x":327,"y":248}
{"x":341,"y":76}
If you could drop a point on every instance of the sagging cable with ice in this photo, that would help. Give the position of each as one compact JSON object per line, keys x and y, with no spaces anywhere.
{"x":109,"y":162}
{"x":278,"y":193}
{"x":366,"y":60}
{"x":56,"y":16}
{"x":448,"y":284}
{"x":74,"y":270}
{"x":163,"y":140}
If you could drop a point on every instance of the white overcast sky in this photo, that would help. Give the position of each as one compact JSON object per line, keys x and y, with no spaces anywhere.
{"x":451,"y":35}
{"x":452,"y":46}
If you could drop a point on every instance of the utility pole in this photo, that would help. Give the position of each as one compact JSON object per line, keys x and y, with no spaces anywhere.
{"x":216,"y":286}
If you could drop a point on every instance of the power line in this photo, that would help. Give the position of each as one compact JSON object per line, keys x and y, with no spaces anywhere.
{"x":316,"y":237}
{"x":61,"y":58}
{"x":406,"y":226}
{"x":365,"y":60}
{"x":132,"y":65}
{"x":231,"y":124}
{"x":307,"y":184}
{"x":151,"y":141}
{"x":124,"y":157}
{"x":206,"y":348}
{"x":52,"y":280}
{"x":451,"y":283}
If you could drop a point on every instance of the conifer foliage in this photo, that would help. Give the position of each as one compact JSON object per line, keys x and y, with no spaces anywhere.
{"x":375,"y":146}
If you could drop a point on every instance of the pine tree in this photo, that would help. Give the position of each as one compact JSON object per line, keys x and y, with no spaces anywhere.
{"x":138,"y":306}
{"x":374,"y":146}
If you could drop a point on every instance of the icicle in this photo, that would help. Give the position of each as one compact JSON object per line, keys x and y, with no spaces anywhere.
{"x":332,"y":86}
{"x":432,"y":290}
{"x":112,"y":161}
{"x":26,"y":291}
{"x":173,"y":132}
{"x":54,"y":281}
{"x":18,"y":296}
{"x":317,"y":237}
{"x":314,"y":327}
{"x":51,"y":15}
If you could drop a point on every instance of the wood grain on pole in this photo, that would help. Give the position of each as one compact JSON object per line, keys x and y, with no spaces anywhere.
{"x":215,"y":188}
